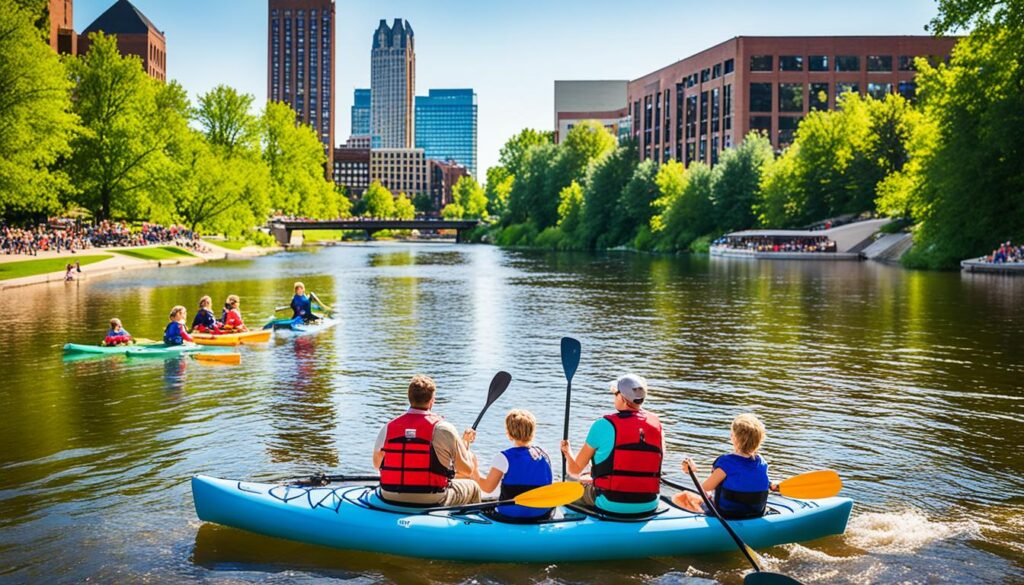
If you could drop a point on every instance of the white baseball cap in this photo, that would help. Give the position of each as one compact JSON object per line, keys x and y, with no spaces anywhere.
{"x":632,"y":387}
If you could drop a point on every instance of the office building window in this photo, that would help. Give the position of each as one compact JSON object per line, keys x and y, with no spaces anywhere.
{"x":847,"y":63}
{"x":880,"y":63}
{"x":762,"y":124}
{"x":714,"y":150}
{"x":716,"y":110}
{"x":705,"y":75}
{"x":817,"y":63}
{"x":702,"y":153}
{"x":716,"y":71}
{"x":703,"y":113}
{"x":691,"y":116}
{"x":730,"y":66}
{"x":690,"y":152}
{"x":908,"y":89}
{"x":761,"y":63}
{"x":791,"y":97}
{"x":657,"y":119}
{"x":760,"y":97}
{"x":879,"y":90}
{"x":727,"y":106}
{"x":846,"y":86}
{"x":791,"y":63}
{"x":907,"y":63}
{"x":817,"y":98}
{"x":787,"y":130}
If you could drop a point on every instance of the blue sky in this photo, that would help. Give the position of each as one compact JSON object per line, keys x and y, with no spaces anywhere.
{"x":510,"y":52}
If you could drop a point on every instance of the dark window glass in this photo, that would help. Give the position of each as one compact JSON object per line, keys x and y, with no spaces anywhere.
{"x":791,"y":97}
{"x":847,"y":63}
{"x":691,"y":116}
{"x":791,"y":63}
{"x":879,"y":90}
{"x":787,"y":130}
{"x":845,"y":86}
{"x":760,"y":97}
{"x":716,"y":71}
{"x":703,"y":151}
{"x":727,"y":106}
{"x":716,"y":110}
{"x":908,"y":89}
{"x":761,"y":124}
{"x":690,"y":147}
{"x":907,"y":63}
{"x":880,"y":63}
{"x":817,"y":63}
{"x":703,"y":113}
{"x":730,"y":66}
{"x":761,"y":63}
{"x":714,"y":150}
{"x":817,"y":98}
{"x":705,"y":75}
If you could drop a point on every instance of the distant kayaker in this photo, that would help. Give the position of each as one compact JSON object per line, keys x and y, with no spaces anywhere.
{"x":302,"y":304}
{"x":175,"y":333}
{"x":231,"y":317}
{"x":739,"y":479}
{"x":117,"y":334}
{"x":204,"y":321}
{"x":421,"y":458}
{"x":518,"y":469}
{"x":626,"y":449}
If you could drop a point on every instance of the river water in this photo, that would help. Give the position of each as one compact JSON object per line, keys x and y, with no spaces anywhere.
{"x":909,"y":384}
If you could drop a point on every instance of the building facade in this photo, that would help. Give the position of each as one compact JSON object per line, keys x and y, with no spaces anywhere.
{"x":393,"y":85}
{"x":695,"y":108}
{"x":601,"y":100}
{"x":63,"y":38}
{"x":352,"y":170}
{"x":136,"y":35}
{"x":401,"y":170}
{"x":300,"y":64}
{"x":361,"y":112}
{"x":443,"y":176}
{"x":446,"y":126}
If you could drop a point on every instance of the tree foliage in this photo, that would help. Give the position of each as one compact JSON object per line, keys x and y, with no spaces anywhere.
{"x":470,"y":196}
{"x":295,"y":158}
{"x":378,"y":201}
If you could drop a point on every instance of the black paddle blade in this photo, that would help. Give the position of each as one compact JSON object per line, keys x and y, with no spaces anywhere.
{"x":766,"y":578}
{"x":570,"y":356}
{"x":499,"y":383}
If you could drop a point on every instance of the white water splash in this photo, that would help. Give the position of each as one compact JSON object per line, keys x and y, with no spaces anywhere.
{"x":902,"y":532}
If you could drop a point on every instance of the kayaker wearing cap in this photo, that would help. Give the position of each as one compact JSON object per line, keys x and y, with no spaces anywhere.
{"x":419,"y":455}
{"x":626,"y":449}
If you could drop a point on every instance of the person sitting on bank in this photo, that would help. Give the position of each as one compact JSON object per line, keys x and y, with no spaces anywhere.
{"x":117,"y":334}
{"x":421,"y":458}
{"x":302,"y":304}
{"x":231,"y":317}
{"x":518,"y":469}
{"x":204,"y":321}
{"x":739,"y":479}
{"x":175,"y":333}
{"x":625,"y":449}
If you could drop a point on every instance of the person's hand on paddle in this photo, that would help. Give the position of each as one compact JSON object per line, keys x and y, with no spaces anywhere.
{"x":468,"y":436}
{"x":566,"y":449}
{"x":688,"y":465}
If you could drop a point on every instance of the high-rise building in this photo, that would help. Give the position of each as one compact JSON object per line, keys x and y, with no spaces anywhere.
{"x":361,"y":112}
{"x":136,"y":35}
{"x":446,"y":123}
{"x":693,"y":109}
{"x":300,"y":64}
{"x":62,"y":27}
{"x":393,"y":85}
{"x":601,"y":100}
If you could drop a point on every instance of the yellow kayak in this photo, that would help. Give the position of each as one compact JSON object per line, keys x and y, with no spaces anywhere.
{"x":260,"y":336}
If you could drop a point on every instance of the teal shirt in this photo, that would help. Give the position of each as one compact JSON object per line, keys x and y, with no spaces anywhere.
{"x":602,"y":438}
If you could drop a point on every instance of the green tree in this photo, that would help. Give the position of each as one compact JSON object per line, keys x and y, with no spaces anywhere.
{"x":738,"y":182}
{"x":423,"y":203}
{"x":690,"y":212}
{"x":296,"y":160}
{"x":224,"y":115}
{"x":983,"y":16}
{"x":513,"y":154}
{"x":570,"y":208}
{"x":602,"y":194}
{"x":378,"y":201}
{"x":404,"y":208}
{"x":453,"y":211}
{"x":636,"y":205}
{"x":528,"y":187}
{"x":499,"y":185}
{"x":35,"y":121}
{"x":471,"y":197}
{"x":782,"y":199}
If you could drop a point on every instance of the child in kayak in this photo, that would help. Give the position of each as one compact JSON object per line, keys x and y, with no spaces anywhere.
{"x":232,"y":316}
{"x":204,"y":321}
{"x":117,"y":334}
{"x":302,"y":305}
{"x":175,"y":333}
{"x":518,"y":469}
{"x":739,"y":479}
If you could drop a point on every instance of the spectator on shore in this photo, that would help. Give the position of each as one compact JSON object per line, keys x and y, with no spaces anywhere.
{"x":67,"y":235}
{"x":1006,"y":253}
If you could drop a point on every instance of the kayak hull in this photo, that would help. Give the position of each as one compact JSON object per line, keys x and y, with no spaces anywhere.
{"x":81,"y":348}
{"x":297,"y":327}
{"x":346,"y":518}
{"x":168,"y":351}
{"x":229,"y":339}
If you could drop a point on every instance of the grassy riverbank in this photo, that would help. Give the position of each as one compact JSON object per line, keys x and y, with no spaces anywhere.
{"x":9,"y":270}
{"x":158,"y":253}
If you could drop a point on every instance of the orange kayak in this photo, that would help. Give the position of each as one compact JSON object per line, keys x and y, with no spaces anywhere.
{"x":259,"y":336}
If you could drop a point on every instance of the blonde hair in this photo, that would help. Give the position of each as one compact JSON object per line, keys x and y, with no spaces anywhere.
{"x":232,"y":300}
{"x":205,"y":301}
{"x":177,"y":310}
{"x":297,"y":285}
{"x":520,"y":425}
{"x":749,"y":433}
{"x":115,"y":323}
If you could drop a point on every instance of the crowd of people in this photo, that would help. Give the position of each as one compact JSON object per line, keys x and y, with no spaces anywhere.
{"x":69,"y":235}
{"x":768,"y":244}
{"x":1006,"y":253}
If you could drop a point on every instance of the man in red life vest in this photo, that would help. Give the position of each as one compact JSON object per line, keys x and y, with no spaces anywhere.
{"x":422,"y":459}
{"x":626,"y":449}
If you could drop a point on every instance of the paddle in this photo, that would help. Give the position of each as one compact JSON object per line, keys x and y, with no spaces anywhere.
{"x":759,"y":576}
{"x":323,"y":306}
{"x":322,"y":479}
{"x":813,"y":485}
{"x":499,"y":383}
{"x":570,"y":361}
{"x":220,"y":358}
{"x":548,"y":496}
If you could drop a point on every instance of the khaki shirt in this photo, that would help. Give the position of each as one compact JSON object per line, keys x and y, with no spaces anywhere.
{"x":447,"y":445}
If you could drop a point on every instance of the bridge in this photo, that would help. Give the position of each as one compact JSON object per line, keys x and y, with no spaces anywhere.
{"x":282,"y":229}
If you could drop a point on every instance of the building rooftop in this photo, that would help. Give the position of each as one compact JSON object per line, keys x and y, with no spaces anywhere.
{"x":124,"y":18}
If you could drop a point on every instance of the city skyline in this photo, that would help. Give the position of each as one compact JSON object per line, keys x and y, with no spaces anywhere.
{"x":512,"y":64}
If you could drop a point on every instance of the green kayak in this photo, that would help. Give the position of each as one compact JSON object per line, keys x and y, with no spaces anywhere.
{"x":161,"y":350}
{"x":81,"y":348}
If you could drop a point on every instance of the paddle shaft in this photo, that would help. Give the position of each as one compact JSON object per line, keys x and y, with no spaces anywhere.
{"x":570,"y":361}
{"x":565,"y":423}
{"x":707,"y":502}
{"x":324,"y":479}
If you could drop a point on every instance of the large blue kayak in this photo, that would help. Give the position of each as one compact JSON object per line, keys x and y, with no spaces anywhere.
{"x":354,"y":518}
{"x":298,"y":327}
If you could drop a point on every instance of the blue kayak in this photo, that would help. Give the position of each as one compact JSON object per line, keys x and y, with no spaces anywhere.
{"x":298,"y":327}
{"x":354,"y":518}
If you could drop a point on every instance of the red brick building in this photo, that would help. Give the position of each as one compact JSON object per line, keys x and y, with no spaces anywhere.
{"x":443,"y":176}
{"x":136,"y":35}
{"x":695,"y":108}
{"x":352,"y":170}
{"x":63,"y":39}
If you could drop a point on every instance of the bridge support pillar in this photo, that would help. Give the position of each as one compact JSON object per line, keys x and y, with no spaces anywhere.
{"x":282,"y":235}
{"x":458,"y":236}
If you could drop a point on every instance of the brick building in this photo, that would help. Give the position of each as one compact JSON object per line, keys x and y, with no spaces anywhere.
{"x":443,"y":176}
{"x":63,"y":38}
{"x":136,"y":35}
{"x":697,"y":107}
{"x":401,"y":170}
{"x":352,"y":169}
{"x":601,"y":100}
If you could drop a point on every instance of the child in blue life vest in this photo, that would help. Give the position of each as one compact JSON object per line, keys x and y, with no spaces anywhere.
{"x":204,"y":321}
{"x":175,"y":333}
{"x":739,"y":479}
{"x":519,"y":469}
{"x":117,"y":334}
{"x":302,"y":304}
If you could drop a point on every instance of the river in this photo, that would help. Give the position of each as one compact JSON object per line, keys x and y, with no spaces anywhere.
{"x":907,"y":383}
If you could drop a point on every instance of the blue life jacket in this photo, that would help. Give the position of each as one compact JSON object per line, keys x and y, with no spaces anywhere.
{"x":204,"y":317}
{"x":302,"y":306}
{"x":172,"y":334}
{"x":528,"y":468}
{"x":123,"y":331}
{"x":744,"y":492}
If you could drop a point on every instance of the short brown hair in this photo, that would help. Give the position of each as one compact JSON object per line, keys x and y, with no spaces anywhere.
{"x":177,"y":310}
{"x":421,"y":390}
{"x":115,"y":322}
{"x":520,"y":425}
{"x":749,"y":433}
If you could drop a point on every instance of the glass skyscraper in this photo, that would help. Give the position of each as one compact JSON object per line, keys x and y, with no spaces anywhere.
{"x":446,"y":123}
{"x":361,"y":113}
{"x":393,"y":84}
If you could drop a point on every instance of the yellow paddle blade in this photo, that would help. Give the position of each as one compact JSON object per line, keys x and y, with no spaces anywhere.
{"x":549,"y":496}
{"x":812,"y":485}
{"x":220,"y":358}
{"x":215,"y":341}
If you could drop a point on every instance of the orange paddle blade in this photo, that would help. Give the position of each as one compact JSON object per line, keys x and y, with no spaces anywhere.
{"x":220,"y":358}
{"x":549,"y":496}
{"x":214,"y":340}
{"x":812,"y":485}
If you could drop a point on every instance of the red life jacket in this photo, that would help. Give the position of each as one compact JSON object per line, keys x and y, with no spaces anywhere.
{"x":410,"y":464}
{"x":632,"y":473}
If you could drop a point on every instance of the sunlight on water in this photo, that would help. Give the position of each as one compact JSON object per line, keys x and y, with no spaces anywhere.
{"x":903,"y":532}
